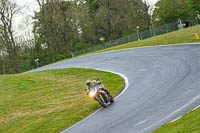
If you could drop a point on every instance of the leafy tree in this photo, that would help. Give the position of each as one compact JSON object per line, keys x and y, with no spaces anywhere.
{"x":93,"y":5}
{"x":52,"y":28}
{"x":116,"y":18}
{"x":62,"y":27}
{"x":194,"y":6}
{"x":168,"y":11}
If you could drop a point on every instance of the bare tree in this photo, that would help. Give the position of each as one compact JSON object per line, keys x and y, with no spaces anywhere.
{"x":40,"y":3}
{"x":2,"y":61}
{"x":148,"y":9}
{"x":7,"y":11}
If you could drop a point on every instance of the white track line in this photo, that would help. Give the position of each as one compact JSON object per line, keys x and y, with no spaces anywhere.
{"x":196,"y":107}
{"x":172,"y":114}
{"x":182,"y":115}
{"x":126,"y":87}
{"x":176,"y":119}
{"x":125,"y":80}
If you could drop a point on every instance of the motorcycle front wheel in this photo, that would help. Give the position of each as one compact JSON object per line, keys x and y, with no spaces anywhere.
{"x":112,"y":100}
{"x":101,"y":101}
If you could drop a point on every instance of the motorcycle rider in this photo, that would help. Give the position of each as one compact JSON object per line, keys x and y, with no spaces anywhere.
{"x":91,"y":84}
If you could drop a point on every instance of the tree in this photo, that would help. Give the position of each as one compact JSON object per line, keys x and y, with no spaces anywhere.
{"x":2,"y":60}
{"x":116,"y":18}
{"x":57,"y":29}
{"x":8,"y":9}
{"x":93,"y":5}
{"x":194,"y":6}
{"x":62,"y":27}
{"x":148,"y":9}
{"x":168,"y":11}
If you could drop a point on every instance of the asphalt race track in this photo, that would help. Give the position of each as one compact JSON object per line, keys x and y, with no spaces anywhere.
{"x":164,"y":84}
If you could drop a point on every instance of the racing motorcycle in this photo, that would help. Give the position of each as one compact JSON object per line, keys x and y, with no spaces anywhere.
{"x":101,"y":96}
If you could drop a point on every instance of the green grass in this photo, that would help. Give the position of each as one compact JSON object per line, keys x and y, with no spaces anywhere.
{"x":49,"y":101}
{"x":182,"y":36}
{"x":189,"y":123}
{"x":186,"y":35}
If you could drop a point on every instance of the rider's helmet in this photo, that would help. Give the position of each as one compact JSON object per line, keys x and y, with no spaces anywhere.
{"x":88,"y":82}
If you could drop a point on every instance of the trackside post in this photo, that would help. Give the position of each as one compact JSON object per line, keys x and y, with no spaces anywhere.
{"x":197,"y":36}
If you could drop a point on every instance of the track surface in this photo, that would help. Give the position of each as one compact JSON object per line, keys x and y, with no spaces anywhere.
{"x":164,"y":84}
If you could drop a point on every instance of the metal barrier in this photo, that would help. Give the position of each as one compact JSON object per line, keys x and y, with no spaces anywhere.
{"x":142,"y":35}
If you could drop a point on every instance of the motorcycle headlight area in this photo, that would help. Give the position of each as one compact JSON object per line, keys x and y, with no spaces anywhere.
{"x":92,"y":93}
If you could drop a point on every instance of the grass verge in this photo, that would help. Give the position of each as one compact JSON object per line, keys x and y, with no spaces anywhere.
{"x":189,"y":123}
{"x":49,"y":101}
{"x":182,"y":36}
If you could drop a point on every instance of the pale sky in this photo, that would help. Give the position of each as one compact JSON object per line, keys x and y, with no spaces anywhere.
{"x":23,"y":21}
{"x":153,"y":1}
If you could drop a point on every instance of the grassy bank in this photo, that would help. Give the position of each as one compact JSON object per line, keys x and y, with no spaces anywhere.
{"x":189,"y":123}
{"x":49,"y":101}
{"x":182,"y":36}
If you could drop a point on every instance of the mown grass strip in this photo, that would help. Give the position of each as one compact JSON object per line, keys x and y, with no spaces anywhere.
{"x":49,"y":101}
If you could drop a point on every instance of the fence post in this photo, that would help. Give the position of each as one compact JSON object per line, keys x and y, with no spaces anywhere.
{"x":153,"y":30}
{"x":72,"y":54}
{"x":138,"y":33}
{"x":197,"y":36}
{"x":129,"y":39}
{"x":167,"y":28}
{"x":141,"y":37}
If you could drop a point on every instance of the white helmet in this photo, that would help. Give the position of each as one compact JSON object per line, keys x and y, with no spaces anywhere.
{"x":88,"y":82}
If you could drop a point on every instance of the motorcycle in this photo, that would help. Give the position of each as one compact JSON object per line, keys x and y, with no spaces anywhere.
{"x":101,"y":96}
